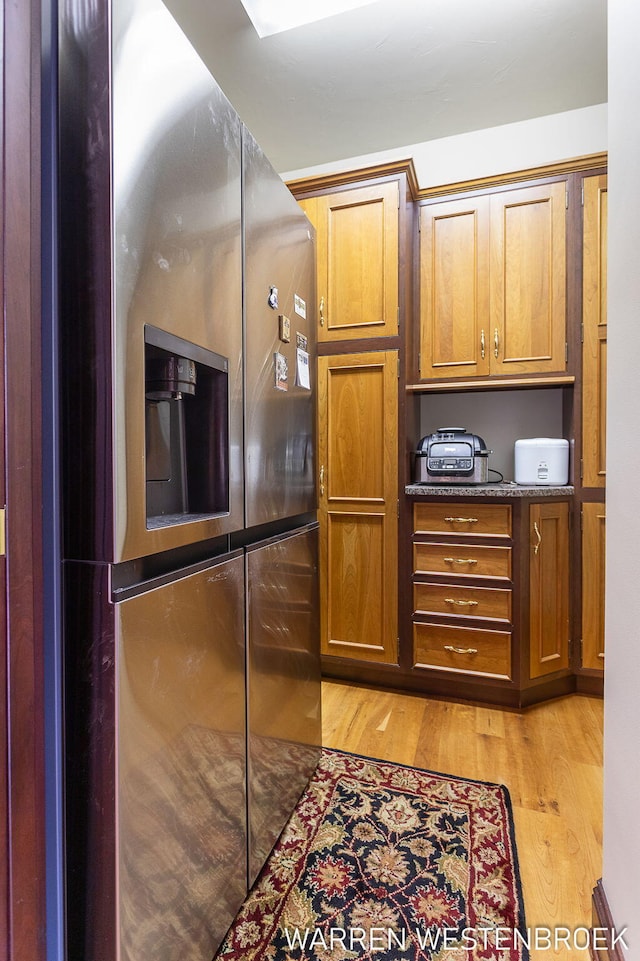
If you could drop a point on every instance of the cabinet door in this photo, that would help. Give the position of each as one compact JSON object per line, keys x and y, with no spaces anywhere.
{"x":549,"y":588}
{"x":357,"y":257}
{"x":358,"y":454}
{"x":528,"y":277}
{"x":593,"y":569}
{"x":454,"y":289}
{"x":594,"y":320}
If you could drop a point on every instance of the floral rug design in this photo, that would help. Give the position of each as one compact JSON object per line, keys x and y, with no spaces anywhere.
{"x":380,"y":861}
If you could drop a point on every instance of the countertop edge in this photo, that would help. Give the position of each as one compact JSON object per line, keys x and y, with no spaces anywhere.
{"x":487,"y":490}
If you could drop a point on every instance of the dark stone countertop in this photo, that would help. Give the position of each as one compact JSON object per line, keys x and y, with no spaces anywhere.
{"x":504,"y":489}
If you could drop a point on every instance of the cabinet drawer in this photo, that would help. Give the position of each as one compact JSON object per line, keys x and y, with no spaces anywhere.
{"x":462,"y":649}
{"x":469,"y":520}
{"x":462,"y":560}
{"x":494,"y":603}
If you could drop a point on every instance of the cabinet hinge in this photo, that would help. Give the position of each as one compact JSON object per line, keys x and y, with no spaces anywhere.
{"x":398,"y":507}
{"x":581,"y":476}
{"x":566,"y":352}
{"x":582,"y":193}
{"x":566,"y":197}
{"x":582,"y":333}
{"x":398,"y":360}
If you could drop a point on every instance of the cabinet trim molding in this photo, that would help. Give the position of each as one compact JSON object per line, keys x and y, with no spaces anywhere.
{"x":574,"y":165}
{"x":490,"y":383}
{"x":329,"y":181}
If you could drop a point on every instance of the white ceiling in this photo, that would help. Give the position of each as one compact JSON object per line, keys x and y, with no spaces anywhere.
{"x":400,"y":72}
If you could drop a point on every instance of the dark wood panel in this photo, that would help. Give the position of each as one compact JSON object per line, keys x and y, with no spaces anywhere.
{"x":4,"y":754}
{"x":23,"y":908}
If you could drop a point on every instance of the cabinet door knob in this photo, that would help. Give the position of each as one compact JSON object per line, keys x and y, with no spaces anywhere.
{"x":322,"y":311}
{"x":322,"y":480}
{"x":460,"y":650}
{"x":482,"y":345}
{"x":496,"y":343}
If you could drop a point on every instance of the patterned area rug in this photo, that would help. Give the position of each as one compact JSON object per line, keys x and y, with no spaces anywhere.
{"x":381,"y":861}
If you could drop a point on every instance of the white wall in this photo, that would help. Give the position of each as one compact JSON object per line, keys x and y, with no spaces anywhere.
{"x":621,"y":872}
{"x":485,"y":153}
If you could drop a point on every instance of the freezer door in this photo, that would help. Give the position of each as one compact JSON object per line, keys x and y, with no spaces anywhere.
{"x":283,"y":679}
{"x":181,"y":769}
{"x":279,"y":349}
{"x":150,"y":226}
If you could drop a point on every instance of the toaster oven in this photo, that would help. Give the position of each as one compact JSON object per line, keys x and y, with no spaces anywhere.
{"x":451,"y":456}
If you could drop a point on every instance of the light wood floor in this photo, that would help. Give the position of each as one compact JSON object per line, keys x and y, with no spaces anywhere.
{"x":549,"y":756}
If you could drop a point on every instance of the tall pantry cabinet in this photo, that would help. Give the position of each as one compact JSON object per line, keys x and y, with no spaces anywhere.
{"x":361,"y":235}
{"x":594,"y":395}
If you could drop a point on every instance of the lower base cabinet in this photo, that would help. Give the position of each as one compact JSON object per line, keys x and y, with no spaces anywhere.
{"x":491,"y":594}
{"x":487,"y":613}
{"x":593,"y":568}
{"x":548,"y":588}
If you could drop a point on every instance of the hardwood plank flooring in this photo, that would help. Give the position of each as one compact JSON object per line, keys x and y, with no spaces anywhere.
{"x":549,"y":756}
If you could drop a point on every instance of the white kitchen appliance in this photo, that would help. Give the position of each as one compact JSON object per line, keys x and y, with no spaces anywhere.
{"x":542,"y":461}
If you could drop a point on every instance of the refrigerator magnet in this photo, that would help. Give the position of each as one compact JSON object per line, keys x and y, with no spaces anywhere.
{"x":300,"y":306}
{"x":285,"y":328}
{"x":302,"y":369}
{"x":282,"y":371}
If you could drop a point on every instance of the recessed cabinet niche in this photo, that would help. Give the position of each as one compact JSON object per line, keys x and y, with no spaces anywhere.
{"x":492,"y":284}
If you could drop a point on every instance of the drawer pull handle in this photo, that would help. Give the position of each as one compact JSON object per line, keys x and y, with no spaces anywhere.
{"x":452,"y":600}
{"x":462,"y":520}
{"x":460,"y":650}
{"x":459,"y":560}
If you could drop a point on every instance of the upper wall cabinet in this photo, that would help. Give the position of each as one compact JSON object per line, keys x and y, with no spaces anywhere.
{"x":454,"y":288}
{"x":357,"y":261}
{"x":493,"y":284}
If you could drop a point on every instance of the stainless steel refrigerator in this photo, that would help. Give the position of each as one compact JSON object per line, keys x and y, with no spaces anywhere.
{"x":190,"y":629}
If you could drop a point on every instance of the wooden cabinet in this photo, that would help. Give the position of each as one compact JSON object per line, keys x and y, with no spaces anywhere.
{"x":594,"y":330}
{"x":462,"y":588}
{"x":548,"y":588}
{"x":358,"y":509}
{"x":454,"y":289}
{"x":593,"y":578}
{"x":594,"y":404}
{"x":490,"y":592}
{"x":357,"y":261}
{"x":492,"y":284}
